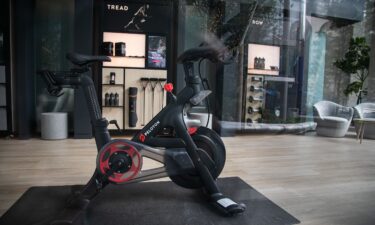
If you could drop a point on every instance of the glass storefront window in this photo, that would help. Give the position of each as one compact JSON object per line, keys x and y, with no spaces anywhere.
{"x":286,"y":57}
{"x":54,"y":38}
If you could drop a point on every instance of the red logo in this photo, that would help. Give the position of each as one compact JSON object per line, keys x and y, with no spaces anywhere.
{"x":142,"y":138}
{"x":192,"y":130}
{"x":168,"y":87}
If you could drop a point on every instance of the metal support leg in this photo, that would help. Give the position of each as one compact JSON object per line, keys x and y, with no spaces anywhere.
{"x":362,"y":132}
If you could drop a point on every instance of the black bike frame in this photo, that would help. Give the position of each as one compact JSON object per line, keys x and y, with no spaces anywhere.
{"x":171,"y":116}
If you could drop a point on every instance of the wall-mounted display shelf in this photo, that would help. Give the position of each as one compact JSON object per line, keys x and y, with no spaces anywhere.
{"x":4,"y":106}
{"x":150,"y":98}
{"x":263,"y":59}
{"x":113,"y":96}
{"x":134,"y":45}
{"x":135,"y":78}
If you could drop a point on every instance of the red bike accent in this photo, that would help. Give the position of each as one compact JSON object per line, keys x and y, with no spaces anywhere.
{"x":118,"y":147}
{"x":192,"y":130}
{"x":168,"y":87}
{"x":142,"y":137}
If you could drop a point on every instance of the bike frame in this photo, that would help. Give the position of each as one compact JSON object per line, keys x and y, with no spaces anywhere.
{"x":179,"y":154}
{"x":146,"y":140}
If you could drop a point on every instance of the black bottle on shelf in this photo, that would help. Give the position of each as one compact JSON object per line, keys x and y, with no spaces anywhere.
{"x":107,"y":48}
{"x":111,"y":99}
{"x":249,"y":122}
{"x":256,"y":61}
{"x":117,"y":100}
{"x":263,"y":63}
{"x":120,"y":49}
{"x":106,"y":99}
{"x":112,"y":78}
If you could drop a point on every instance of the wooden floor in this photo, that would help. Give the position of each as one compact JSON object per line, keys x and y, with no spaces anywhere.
{"x":322,"y":181}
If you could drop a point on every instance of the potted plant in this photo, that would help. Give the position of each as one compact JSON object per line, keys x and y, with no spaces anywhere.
{"x":356,"y":62}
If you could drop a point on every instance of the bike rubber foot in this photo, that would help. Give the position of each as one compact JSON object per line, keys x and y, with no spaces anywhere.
{"x":227,"y":206}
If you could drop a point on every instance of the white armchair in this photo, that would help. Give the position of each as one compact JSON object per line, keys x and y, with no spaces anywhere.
{"x":333,"y":120}
{"x":366,"y":111}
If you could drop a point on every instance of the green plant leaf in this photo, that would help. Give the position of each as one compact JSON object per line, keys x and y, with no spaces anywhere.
{"x":356,"y":58}
{"x":353,"y":88}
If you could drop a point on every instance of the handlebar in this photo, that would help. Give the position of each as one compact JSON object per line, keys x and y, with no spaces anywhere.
{"x":214,"y":54}
{"x":55,"y":81}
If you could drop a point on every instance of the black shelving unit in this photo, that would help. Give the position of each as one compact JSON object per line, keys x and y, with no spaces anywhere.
{"x":109,"y":21}
{"x":5,"y":78}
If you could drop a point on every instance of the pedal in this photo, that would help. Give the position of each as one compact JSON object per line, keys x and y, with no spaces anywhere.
{"x":227,"y":206}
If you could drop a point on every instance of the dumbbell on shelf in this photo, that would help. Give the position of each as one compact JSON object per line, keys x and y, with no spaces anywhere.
{"x":256,"y":89}
{"x":255,"y":99}
{"x":251,"y":110}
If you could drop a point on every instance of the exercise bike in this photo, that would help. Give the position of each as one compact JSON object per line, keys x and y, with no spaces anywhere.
{"x":192,"y":157}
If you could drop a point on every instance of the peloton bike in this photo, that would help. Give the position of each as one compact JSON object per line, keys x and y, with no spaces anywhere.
{"x":192,"y":156}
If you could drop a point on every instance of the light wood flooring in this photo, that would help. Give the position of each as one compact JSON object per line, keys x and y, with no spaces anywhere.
{"x":322,"y":181}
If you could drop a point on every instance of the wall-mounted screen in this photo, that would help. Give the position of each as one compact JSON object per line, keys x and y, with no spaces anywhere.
{"x":157,"y":52}
{"x":263,"y":59}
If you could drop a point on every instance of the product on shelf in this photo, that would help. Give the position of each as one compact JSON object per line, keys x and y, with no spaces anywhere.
{"x":133,"y":118}
{"x":274,"y":68}
{"x":249,"y":121}
{"x":256,"y":63}
{"x":251,"y":110}
{"x":144,"y":82}
{"x":120,"y":49}
{"x":112,"y":78}
{"x":106,"y":99}
{"x":259,"y":63}
{"x":263,"y":63}
{"x":259,"y":79}
{"x":107,"y":48}
{"x":153,"y":82}
{"x":111,"y":99}
{"x":256,"y":89}
{"x":117,"y":100}
{"x":253,"y":99}
{"x":161,"y":82}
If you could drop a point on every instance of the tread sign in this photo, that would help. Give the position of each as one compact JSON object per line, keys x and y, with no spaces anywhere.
{"x":123,"y":16}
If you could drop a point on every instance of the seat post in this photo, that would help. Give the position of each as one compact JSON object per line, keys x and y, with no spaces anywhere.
{"x":191,"y":79}
{"x":99,"y":123}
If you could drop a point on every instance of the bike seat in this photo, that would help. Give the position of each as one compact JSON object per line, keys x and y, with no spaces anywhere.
{"x":80,"y":59}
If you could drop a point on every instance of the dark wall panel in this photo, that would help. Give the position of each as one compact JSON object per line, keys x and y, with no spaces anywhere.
{"x":83,"y":43}
{"x":24,"y":67}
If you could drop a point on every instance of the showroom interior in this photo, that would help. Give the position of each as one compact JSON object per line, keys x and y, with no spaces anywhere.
{"x":267,"y":103}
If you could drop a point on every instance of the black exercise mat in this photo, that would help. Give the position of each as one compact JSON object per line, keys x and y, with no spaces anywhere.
{"x":156,"y":203}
